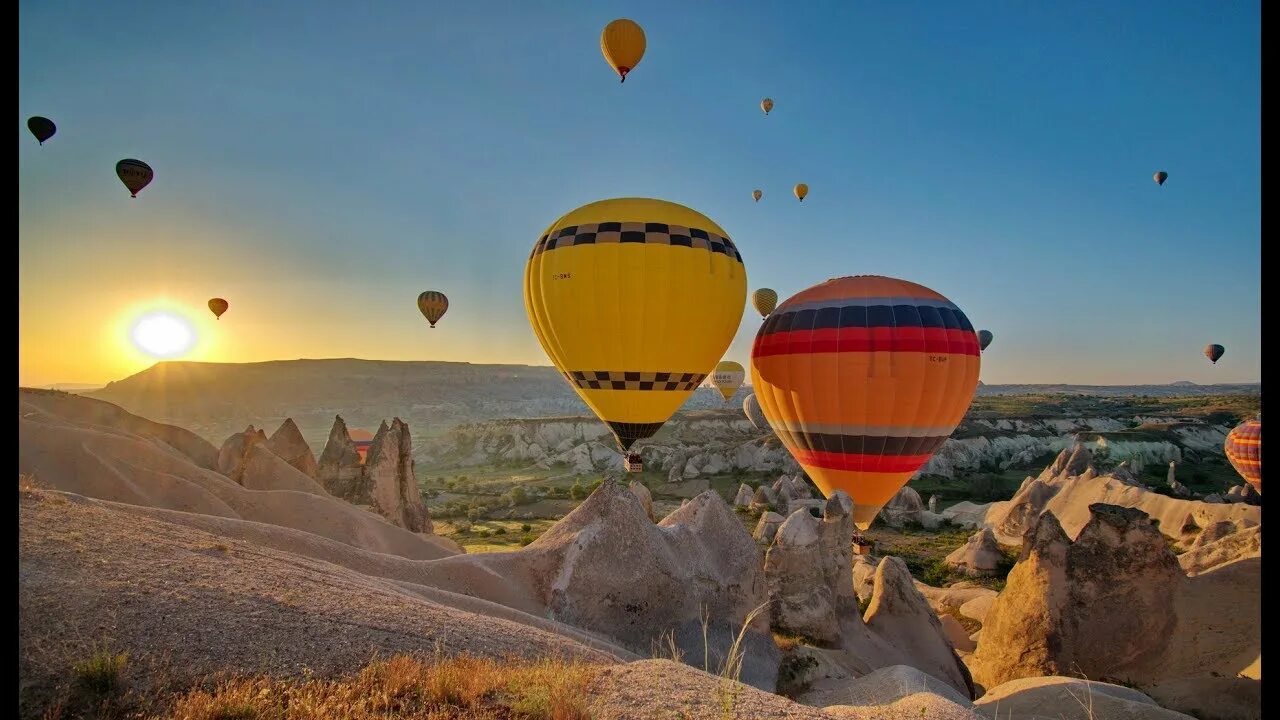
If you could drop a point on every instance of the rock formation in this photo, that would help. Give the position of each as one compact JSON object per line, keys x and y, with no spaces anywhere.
{"x":1098,"y":606}
{"x":1072,"y":699}
{"x":389,"y":479}
{"x":744,"y":497}
{"x":1066,"y":489}
{"x":385,"y":481}
{"x":979,"y":557}
{"x":807,"y":567}
{"x":903,"y":508}
{"x":287,"y":442}
{"x":339,"y":468}
{"x":643,"y":495}
{"x":608,"y":569}
{"x":933,"y":503}
{"x":234,"y":449}
{"x":767,"y":527}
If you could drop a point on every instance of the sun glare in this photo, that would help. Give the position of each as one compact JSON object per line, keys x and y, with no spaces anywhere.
{"x":163,"y":334}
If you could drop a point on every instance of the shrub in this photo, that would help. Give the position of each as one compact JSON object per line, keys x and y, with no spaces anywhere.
{"x":518,"y":496}
{"x":526,"y":527}
{"x":577,"y":492}
{"x":101,"y":672}
{"x":500,"y":531}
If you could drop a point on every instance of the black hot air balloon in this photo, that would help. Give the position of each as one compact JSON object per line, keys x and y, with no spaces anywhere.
{"x":1213,"y":352}
{"x":42,"y":127}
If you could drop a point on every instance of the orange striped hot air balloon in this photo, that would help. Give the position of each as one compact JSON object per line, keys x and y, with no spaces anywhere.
{"x":863,"y":378}
{"x":362,"y":439}
{"x":1244,"y":450}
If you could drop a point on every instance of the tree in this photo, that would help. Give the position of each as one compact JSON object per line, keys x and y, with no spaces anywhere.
{"x":577,"y":492}
{"x":518,"y":496}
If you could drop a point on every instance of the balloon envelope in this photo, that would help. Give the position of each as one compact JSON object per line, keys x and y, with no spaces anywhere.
{"x":634,"y":300}
{"x":42,"y":127}
{"x":766,"y":105}
{"x":757,"y":195}
{"x":135,"y":175}
{"x":728,"y":377}
{"x":751,"y":408}
{"x":1160,"y":177}
{"x":433,"y":305}
{"x":984,"y":339}
{"x":863,"y":378}
{"x":764,"y":301}
{"x":1244,"y":450}
{"x":362,"y":439}
{"x":218,"y":306}
{"x":801,"y":190}
{"x":1214,"y":352}
{"x":622,"y":43}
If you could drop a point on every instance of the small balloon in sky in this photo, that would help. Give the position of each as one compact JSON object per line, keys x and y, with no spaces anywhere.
{"x":135,"y":175}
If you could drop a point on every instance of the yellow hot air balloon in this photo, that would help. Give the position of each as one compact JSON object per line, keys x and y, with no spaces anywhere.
{"x":863,"y":378}
{"x":622,"y":44}
{"x":764,"y":301}
{"x":801,"y":190}
{"x":766,"y":105}
{"x":728,"y":377}
{"x":433,"y":305}
{"x":217,"y":306}
{"x":634,"y":300}
{"x":757,"y":195}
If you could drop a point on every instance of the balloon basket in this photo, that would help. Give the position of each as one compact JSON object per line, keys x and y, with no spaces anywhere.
{"x":633,"y":463}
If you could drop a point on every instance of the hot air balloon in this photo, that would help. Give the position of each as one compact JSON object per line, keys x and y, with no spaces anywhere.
{"x":984,"y":339}
{"x":362,"y":439}
{"x":622,"y":43}
{"x":801,"y":190}
{"x":135,"y":175}
{"x":42,"y":127}
{"x":433,"y":305}
{"x":1214,"y":352}
{"x":863,"y":378}
{"x":1160,"y":177}
{"x":751,"y":408}
{"x":728,"y":377}
{"x":764,"y":301}
{"x":218,"y":306}
{"x":1244,"y":450}
{"x":757,"y":195}
{"x":634,"y":300}
{"x":766,"y":105}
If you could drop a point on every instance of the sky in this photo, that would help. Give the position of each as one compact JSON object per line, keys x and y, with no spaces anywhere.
{"x":319,"y":169}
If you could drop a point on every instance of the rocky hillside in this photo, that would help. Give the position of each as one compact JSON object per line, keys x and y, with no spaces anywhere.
{"x":719,"y":442}
{"x":217,"y":399}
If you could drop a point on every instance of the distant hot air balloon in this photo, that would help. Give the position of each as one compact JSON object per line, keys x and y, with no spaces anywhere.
{"x":1214,"y":352}
{"x":135,"y":175}
{"x":622,"y":44}
{"x":1160,"y":177}
{"x":801,"y":190}
{"x":757,"y":195}
{"x":1244,"y":450}
{"x":764,"y":301}
{"x":218,"y":306}
{"x":984,"y":339}
{"x":634,"y":300}
{"x":728,"y":377}
{"x":42,"y":127}
{"x":766,"y":105}
{"x":433,"y":305}
{"x":362,"y":439}
{"x":863,"y":378}
{"x":751,"y":408}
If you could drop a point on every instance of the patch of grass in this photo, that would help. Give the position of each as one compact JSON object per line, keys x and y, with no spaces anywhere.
{"x":101,"y":673}
{"x":462,"y":687}
{"x":924,"y":552}
{"x":790,"y":671}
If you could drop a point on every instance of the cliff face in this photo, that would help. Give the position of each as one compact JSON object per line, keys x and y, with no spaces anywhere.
{"x":715,"y":442}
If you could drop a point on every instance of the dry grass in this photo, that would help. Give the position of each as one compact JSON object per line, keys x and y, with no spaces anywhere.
{"x":464,"y":687}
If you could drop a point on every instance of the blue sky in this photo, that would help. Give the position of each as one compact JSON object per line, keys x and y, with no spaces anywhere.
{"x":320,"y":164}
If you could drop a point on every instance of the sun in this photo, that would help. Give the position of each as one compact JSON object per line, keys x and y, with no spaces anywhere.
{"x":163,"y":334}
